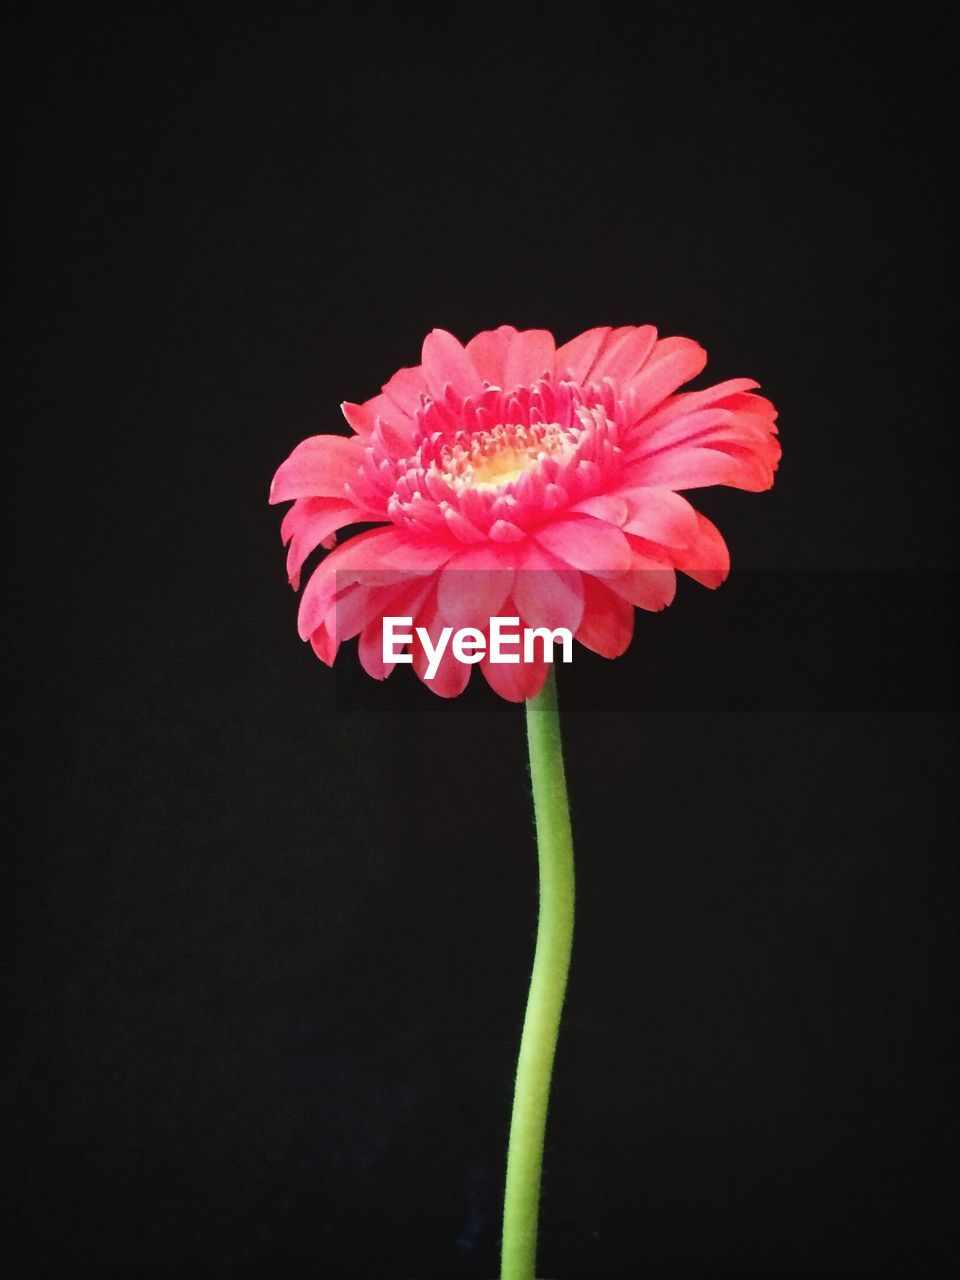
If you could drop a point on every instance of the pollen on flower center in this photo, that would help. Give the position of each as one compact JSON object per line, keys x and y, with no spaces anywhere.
{"x":490,"y":460}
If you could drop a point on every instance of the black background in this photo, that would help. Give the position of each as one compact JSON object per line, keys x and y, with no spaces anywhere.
{"x":269,"y":927}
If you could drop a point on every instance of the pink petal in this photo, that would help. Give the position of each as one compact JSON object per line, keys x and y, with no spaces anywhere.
{"x":611,"y":341}
{"x":311,"y":522}
{"x":398,"y":434}
{"x":719,"y":391}
{"x":660,"y":515}
{"x":586,"y":543}
{"x":446,"y":363}
{"x":460,"y":526}
{"x":747,"y":437}
{"x":359,"y":605}
{"x":610,"y":507}
{"x":754,"y":468}
{"x":319,"y":467}
{"x":515,"y":681}
{"x":750,"y":402}
{"x":506,"y":531}
{"x":346,"y":564}
{"x":488,"y":351}
{"x":667,"y":346}
{"x":396,"y":425}
{"x":664,"y":373}
{"x":403,"y":392}
{"x":325,"y":645}
{"x":408,"y":604}
{"x":681,"y":428}
{"x":757,"y":462}
{"x":451,"y":676}
{"x":576,"y":358}
{"x":415,"y":553}
{"x":361,"y":417}
{"x":708,"y":560}
{"x":650,"y":584}
{"x":690,"y":401}
{"x":607,"y":625}
{"x":370,"y":650}
{"x":472,"y":587}
{"x":530,"y":355}
{"x":546,"y":593}
{"x":689,"y":468}
{"x":624,"y":356}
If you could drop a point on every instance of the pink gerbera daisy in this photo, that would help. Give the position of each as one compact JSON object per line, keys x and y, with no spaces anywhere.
{"x":512,"y":477}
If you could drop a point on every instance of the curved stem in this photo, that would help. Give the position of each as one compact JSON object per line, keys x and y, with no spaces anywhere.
{"x":548,"y":984}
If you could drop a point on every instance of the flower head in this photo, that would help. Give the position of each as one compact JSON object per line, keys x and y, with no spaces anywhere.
{"x":512,"y":477}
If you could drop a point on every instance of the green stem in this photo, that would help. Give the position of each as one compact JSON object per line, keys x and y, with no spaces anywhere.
{"x":548,"y":984}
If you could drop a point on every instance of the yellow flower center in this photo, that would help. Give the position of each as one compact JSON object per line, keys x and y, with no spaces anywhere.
{"x":494,"y":459}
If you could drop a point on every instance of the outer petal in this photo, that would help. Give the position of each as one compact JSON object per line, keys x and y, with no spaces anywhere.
{"x":370,"y":646}
{"x":325,"y":645}
{"x":488,"y":351}
{"x":415,"y":553}
{"x":747,"y":418}
{"x":351,"y":562}
{"x":395,"y":406}
{"x":452,"y":676}
{"x":672,"y":363}
{"x":688,"y":402}
{"x":651,"y":582}
{"x":311,"y":522}
{"x":693,"y":468}
{"x":611,"y":341}
{"x":607,"y":626}
{"x":370,"y":650}
{"x":396,"y":427}
{"x":708,"y":560}
{"x":446,"y":363}
{"x":683,"y":429}
{"x":546,"y":593}
{"x":319,"y":467}
{"x":623,"y":357}
{"x":660,"y":515}
{"x":359,"y":605}
{"x":473,"y":586}
{"x":576,"y":357}
{"x":741,"y":426}
{"x":401,"y":395}
{"x":361,"y":417}
{"x":515,"y":681}
{"x":586,"y":543}
{"x":718,"y":392}
{"x":610,"y":507}
{"x":530,"y":355}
